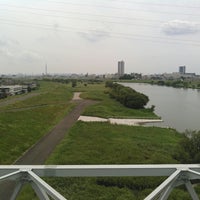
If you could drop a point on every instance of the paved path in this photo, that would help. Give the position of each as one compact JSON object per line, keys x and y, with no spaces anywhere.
{"x":38,"y":154}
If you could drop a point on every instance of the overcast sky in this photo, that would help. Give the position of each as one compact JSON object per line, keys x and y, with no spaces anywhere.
{"x":91,"y":36}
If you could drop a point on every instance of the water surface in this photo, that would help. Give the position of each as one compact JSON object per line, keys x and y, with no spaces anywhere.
{"x":179,"y":108}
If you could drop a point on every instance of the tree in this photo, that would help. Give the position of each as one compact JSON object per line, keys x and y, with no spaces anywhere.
{"x":74,"y":83}
{"x":127,"y":96}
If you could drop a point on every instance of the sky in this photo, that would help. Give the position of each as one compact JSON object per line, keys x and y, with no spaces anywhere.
{"x":91,"y":36}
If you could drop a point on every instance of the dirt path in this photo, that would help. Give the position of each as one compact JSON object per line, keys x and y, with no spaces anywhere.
{"x":38,"y":154}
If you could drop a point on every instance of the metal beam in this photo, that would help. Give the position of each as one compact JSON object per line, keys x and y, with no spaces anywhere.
{"x":191,"y":190}
{"x":11,"y":176}
{"x":45,"y":187}
{"x":162,"y":188}
{"x":100,"y":170}
{"x":17,"y":190}
{"x":177,"y":175}
{"x":39,"y":191}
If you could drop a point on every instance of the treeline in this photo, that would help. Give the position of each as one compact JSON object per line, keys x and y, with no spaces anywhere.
{"x":127,"y":96}
{"x":178,"y":83}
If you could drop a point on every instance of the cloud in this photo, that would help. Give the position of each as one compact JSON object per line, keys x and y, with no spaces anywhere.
{"x":179,"y":27}
{"x":94,"y":36}
{"x":29,"y":56}
{"x":4,"y":52}
{"x":12,"y":50}
{"x":4,"y":42}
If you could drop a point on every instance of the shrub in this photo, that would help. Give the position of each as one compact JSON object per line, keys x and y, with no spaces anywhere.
{"x":127,"y":96}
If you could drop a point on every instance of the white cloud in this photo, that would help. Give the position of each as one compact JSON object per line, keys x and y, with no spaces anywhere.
{"x":179,"y":27}
{"x":29,"y":56}
{"x":5,"y":42}
{"x":94,"y":36}
{"x":10,"y":49}
{"x":4,"y":52}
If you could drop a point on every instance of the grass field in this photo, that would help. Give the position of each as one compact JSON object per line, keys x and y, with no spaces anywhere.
{"x":22,"y":128}
{"x":88,"y":143}
{"x":103,"y":143}
{"x":107,"y":107}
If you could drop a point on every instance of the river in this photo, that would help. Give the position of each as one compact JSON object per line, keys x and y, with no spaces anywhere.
{"x":179,"y":108}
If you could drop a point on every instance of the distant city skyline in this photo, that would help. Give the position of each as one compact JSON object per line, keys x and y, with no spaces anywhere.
{"x":90,"y":37}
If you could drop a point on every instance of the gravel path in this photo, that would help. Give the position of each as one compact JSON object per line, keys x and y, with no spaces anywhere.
{"x":38,"y":154}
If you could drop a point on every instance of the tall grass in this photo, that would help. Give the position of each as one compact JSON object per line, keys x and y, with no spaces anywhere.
{"x":103,"y":143}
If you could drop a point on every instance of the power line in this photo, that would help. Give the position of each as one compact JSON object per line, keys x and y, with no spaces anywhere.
{"x":143,"y":3}
{"x":126,"y":8}
{"x":95,"y":20}
{"x":102,"y":6}
{"x":85,"y":14}
{"x":111,"y":34}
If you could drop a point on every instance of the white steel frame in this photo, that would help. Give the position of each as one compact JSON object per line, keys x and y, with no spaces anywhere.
{"x":177,"y":175}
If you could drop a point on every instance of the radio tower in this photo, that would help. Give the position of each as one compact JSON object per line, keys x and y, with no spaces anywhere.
{"x":46,"y":69}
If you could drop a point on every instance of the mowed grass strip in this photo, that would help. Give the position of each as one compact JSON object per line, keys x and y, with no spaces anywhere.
{"x":21,"y":129}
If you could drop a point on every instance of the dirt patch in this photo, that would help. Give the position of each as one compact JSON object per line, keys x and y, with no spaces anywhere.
{"x":76,"y":96}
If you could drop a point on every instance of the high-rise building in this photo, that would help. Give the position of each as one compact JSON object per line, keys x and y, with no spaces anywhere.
{"x":182,"y":69}
{"x":121,"y":65}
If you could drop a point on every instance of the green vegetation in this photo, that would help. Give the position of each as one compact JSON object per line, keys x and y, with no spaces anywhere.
{"x":179,"y":83}
{"x":20,"y":129}
{"x":103,"y":143}
{"x":107,"y":107}
{"x":89,"y":143}
{"x":189,"y":151}
{"x":127,"y":96}
{"x":182,"y":83}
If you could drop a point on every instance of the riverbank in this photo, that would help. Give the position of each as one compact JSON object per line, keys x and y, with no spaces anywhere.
{"x":100,"y":142}
{"x":105,"y":143}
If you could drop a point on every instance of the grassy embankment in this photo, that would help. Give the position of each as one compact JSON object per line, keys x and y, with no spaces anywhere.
{"x":103,"y":143}
{"x":107,"y":107}
{"x":22,"y":123}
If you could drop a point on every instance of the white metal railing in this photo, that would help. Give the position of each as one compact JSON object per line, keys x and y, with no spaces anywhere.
{"x":177,"y":175}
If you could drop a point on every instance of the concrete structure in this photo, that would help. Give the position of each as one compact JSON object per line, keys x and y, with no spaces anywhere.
{"x":182,"y":69}
{"x":22,"y":174}
{"x":121,"y":66}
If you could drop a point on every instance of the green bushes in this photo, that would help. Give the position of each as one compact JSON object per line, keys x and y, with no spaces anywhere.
{"x":127,"y":96}
{"x":189,"y":151}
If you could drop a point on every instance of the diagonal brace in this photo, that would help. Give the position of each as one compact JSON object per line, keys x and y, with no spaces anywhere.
{"x":168,"y":182}
{"x":44,"y":186}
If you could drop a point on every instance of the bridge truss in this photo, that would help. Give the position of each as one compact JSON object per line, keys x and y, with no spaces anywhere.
{"x":176,"y":175}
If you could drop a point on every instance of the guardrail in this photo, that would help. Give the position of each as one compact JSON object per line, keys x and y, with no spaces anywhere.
{"x":177,"y":175}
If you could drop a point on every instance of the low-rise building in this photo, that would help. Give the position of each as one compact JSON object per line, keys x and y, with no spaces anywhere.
{"x":10,"y":90}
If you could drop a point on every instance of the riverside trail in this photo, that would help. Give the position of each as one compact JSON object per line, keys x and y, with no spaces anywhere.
{"x":39,"y":152}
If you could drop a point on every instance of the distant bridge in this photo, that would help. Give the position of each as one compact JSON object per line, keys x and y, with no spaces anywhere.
{"x":177,"y":175}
